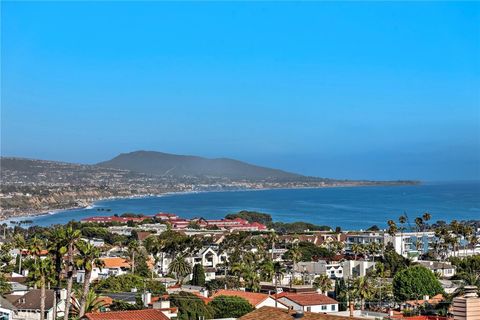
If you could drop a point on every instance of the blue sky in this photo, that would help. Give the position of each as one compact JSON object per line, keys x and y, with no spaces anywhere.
{"x":345,"y":90}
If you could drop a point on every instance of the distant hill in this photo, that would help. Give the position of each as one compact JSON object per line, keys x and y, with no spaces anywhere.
{"x":165,"y":164}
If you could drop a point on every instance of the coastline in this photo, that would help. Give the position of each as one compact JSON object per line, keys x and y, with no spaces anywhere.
{"x":93,"y":202}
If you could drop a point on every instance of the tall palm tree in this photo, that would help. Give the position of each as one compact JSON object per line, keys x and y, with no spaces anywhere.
{"x":88,"y":257}
{"x":35,"y":247}
{"x":322,"y":283}
{"x":133,"y":249}
{"x":180,"y":267}
{"x":362,"y":289}
{"x":426,"y":217}
{"x":279,"y":270}
{"x":154,"y":245}
{"x":42,"y":272}
{"x":20,"y":243}
{"x":272,"y":239}
{"x":70,"y":238}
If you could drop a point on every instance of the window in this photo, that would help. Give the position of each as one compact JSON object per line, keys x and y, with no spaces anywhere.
{"x":333,"y":307}
{"x":309,"y":309}
{"x":324,"y":307}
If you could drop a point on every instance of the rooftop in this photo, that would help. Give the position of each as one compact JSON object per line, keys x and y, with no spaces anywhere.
{"x":269,"y":313}
{"x":252,"y":297}
{"x":147,"y":314}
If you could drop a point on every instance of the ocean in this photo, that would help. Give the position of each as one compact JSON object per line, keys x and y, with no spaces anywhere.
{"x":351,"y":208}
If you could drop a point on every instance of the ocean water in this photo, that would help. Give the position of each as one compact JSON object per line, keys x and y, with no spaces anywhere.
{"x":348,"y":207}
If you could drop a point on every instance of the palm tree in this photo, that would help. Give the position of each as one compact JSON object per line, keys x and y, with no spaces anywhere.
{"x":42,"y":273}
{"x":272,"y":239}
{"x":70,"y":238}
{"x":20,"y":243}
{"x":35,"y":247}
{"x":426,"y":217}
{"x":93,"y":303}
{"x":133,"y":249}
{"x":154,"y":245}
{"x":362,"y":289}
{"x":267,"y":270}
{"x":88,"y":257}
{"x":323,"y":283}
{"x":180,"y":267}
{"x":357,"y":249}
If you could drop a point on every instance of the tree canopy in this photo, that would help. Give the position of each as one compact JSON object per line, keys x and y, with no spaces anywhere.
{"x":230,"y":307}
{"x":415,"y":282}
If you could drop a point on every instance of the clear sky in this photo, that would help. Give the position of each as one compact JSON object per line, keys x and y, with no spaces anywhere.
{"x":344,"y":90}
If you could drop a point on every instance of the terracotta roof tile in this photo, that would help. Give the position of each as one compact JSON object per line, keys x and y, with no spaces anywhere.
{"x":147,"y":314}
{"x":269,"y":313}
{"x":115,"y":262}
{"x":252,"y":297}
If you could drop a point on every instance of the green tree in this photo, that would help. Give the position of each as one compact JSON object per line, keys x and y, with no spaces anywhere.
{"x":190,"y":306}
{"x":198,"y":275}
{"x":415,"y":282}
{"x":230,"y":307}
{"x":127,"y":282}
{"x":5,"y":287}
{"x":180,"y":267}
{"x":70,"y":237}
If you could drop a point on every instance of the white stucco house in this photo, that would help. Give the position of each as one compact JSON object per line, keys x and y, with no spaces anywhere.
{"x":311,"y":302}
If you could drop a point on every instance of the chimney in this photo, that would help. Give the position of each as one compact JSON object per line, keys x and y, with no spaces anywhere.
{"x":146,"y":298}
{"x":298,"y":314}
{"x":467,"y":307}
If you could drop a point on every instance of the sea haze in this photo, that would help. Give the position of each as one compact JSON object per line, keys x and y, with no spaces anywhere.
{"x":347,"y":207}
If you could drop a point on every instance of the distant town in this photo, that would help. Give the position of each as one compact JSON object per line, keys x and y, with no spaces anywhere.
{"x":32,"y":187}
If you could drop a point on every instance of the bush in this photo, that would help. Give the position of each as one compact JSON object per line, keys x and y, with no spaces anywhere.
{"x":198,"y":275}
{"x":415,"y":282}
{"x":230,"y":307}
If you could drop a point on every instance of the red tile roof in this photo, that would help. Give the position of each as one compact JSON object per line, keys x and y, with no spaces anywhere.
{"x":252,"y":297}
{"x":269,"y":313}
{"x":147,"y":314}
{"x":310,"y":299}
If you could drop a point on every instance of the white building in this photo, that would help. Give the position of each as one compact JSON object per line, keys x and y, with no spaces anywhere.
{"x":311,"y":302}
{"x":113,"y":266}
{"x":28,"y":306}
{"x":444,"y":269}
{"x":411,"y":244}
{"x":331,"y":269}
{"x":362,"y":238}
{"x":356,"y":268}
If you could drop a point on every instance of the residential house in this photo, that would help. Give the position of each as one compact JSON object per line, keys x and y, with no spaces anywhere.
{"x":443,"y":268}
{"x":28,"y":306}
{"x":7,"y":309}
{"x":257,"y":300}
{"x":311,"y":302}
{"x":269,"y":313}
{"x":362,"y":238}
{"x":112,"y":266}
{"x":315,"y":268}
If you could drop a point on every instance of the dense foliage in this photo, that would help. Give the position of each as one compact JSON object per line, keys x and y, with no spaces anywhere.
{"x":415,"y":282}
{"x":190,"y":306}
{"x":251,"y":216}
{"x":126,"y":282}
{"x":230,"y":307}
{"x":308,"y":252}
